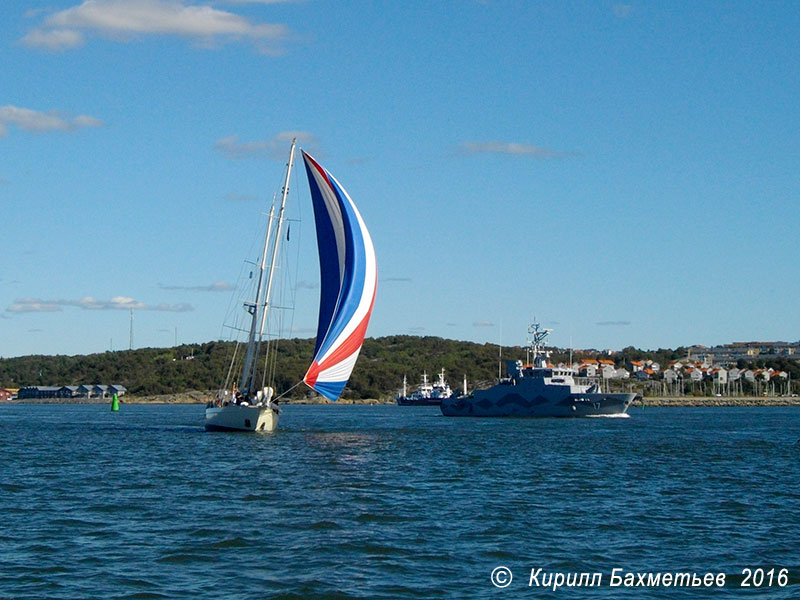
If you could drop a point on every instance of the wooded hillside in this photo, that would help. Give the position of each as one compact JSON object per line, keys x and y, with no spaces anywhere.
{"x":378,"y":372}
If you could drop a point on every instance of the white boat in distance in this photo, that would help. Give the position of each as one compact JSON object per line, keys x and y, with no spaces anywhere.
{"x":348,"y":282}
{"x":537,"y":389}
{"x":426,"y":394}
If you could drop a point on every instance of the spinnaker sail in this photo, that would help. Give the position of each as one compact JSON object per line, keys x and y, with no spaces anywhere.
{"x":349,"y":277}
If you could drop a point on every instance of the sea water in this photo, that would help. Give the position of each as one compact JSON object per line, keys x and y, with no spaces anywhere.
{"x":396,"y":502}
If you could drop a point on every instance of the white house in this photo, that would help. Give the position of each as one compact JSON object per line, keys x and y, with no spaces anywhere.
{"x":671,"y":376}
{"x":609,"y":372}
{"x":694,"y":374}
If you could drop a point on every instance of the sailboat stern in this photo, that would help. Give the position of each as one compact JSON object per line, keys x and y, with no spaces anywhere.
{"x":234,"y":417}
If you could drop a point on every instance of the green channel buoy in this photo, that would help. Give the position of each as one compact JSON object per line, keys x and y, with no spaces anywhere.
{"x":115,"y":403}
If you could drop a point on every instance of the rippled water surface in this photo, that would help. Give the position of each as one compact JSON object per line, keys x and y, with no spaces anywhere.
{"x":390,"y":502}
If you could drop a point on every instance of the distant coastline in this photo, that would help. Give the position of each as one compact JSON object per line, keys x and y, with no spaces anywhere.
{"x":716,"y":401}
{"x":197,"y":397}
{"x":193,"y":397}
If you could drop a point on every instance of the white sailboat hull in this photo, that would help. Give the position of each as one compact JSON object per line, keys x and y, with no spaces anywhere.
{"x":235,"y":417}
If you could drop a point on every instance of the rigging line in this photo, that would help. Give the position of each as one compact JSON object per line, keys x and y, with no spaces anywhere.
{"x":273,"y":261}
{"x":273,"y":366}
{"x":291,"y":389}
{"x":289,"y":277}
{"x":264,"y":371}
{"x":230,"y":368}
{"x":271,"y":350}
{"x":236,"y":328}
{"x":273,"y":339}
{"x":285,"y":290}
{"x":294,"y":279}
{"x":243,"y":284}
{"x":268,"y":377}
{"x":269,"y":359}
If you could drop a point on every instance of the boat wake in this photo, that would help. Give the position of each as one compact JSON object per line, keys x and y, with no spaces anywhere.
{"x":611,"y":416}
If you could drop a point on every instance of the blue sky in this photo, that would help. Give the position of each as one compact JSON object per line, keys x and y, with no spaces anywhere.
{"x":625,"y":171}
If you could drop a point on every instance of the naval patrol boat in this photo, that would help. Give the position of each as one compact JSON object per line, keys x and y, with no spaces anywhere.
{"x":536,"y":389}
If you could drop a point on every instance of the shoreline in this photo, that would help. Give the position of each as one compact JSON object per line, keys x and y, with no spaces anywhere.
{"x":193,"y":397}
{"x":700,"y":401}
{"x":196,"y":397}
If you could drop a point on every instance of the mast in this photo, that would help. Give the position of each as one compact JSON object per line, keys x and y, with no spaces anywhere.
{"x":536,"y":342}
{"x":252,"y":308}
{"x":278,"y":237}
{"x":253,"y":346}
{"x":570,"y":352}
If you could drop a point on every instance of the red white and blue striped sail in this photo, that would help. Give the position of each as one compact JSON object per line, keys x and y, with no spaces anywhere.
{"x":349,"y":277}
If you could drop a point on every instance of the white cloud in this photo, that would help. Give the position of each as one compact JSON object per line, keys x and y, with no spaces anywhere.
{"x":25,"y":305}
{"x":33,"y":12}
{"x":232,"y":148}
{"x":513,"y":148}
{"x":34,"y":120}
{"x":117,"y":302}
{"x":53,"y":39}
{"x":241,"y":198}
{"x":33,"y":305}
{"x":86,"y":121}
{"x":483,"y":324}
{"x":275,"y":147}
{"x":217,"y":286}
{"x":121,"y":19}
{"x":303,"y":330}
{"x":261,"y":1}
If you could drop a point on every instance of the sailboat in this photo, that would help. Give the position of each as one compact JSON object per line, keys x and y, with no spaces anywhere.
{"x":348,"y":282}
